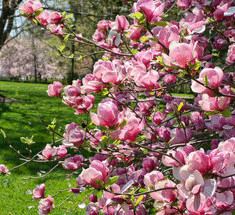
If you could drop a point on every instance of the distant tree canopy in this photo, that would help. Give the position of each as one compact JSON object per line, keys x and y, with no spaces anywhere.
{"x":28,"y":57}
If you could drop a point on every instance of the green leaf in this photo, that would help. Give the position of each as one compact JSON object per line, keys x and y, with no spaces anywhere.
{"x":35,"y":21}
{"x":53,"y":122}
{"x":140,"y":138}
{"x":180,"y":106}
{"x":62,"y":48}
{"x":123,"y":123}
{"x":161,"y":23}
{"x":22,"y":139}
{"x":206,"y":81}
{"x":64,"y":14}
{"x":101,"y":183}
{"x":26,"y":140}
{"x":137,"y":15}
{"x":159,"y":60}
{"x":196,"y":66}
{"x":111,"y":181}
{"x":144,"y":39}
{"x":116,"y":142}
{"x":104,"y":92}
{"x":37,"y":13}
{"x":139,"y":199}
{"x":134,"y":51}
{"x":146,"y":151}
{"x":3,"y":133}
{"x":66,"y":37}
{"x":69,"y":16}
{"x":226,"y":113}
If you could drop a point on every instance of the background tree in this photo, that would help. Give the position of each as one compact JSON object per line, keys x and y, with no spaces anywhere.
{"x":28,"y":57}
{"x":8,"y":10}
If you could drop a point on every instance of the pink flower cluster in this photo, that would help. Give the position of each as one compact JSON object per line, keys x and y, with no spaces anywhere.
{"x":48,"y":152}
{"x":54,"y":90}
{"x":150,"y":150}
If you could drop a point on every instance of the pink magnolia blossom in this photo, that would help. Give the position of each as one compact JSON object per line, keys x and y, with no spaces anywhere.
{"x":85,"y":105}
{"x":180,"y":55}
{"x":45,"y":205}
{"x":214,"y":78}
{"x":121,"y":23}
{"x":152,"y":178}
{"x":146,"y":57}
{"x":224,"y":200}
{"x":196,"y":190}
{"x":82,"y":104}
{"x":164,"y":133}
{"x":220,"y":10}
{"x":107,"y":115}
{"x":95,"y":138}
{"x":219,"y":160}
{"x":198,"y":204}
{"x":180,"y":135}
{"x":150,"y":163}
{"x":93,"y":198}
{"x":147,"y":80}
{"x":194,"y":22}
{"x":165,"y":195}
{"x":158,"y":117}
{"x":209,"y":103}
{"x":96,"y":171}
{"x":109,"y":72}
{"x":3,"y":169}
{"x":61,"y":151}
{"x":104,"y":24}
{"x":44,"y":17}
{"x":199,"y":160}
{"x":48,"y":153}
{"x":168,"y":34}
{"x":179,"y":154}
{"x":152,"y":10}
{"x":221,"y":125}
{"x":169,"y":78}
{"x":141,"y":210}
{"x":91,"y":84}
{"x":73,"y":163}
{"x":231,"y":55}
{"x":56,"y":29}
{"x":197,"y":120}
{"x":39,"y":192}
{"x":184,"y":3}
{"x":55,"y":17}
{"x":30,"y":7}
{"x":55,"y":89}
{"x":72,"y":91}
{"x":130,"y":131}
{"x":74,"y":136}
{"x":226,"y":155}
{"x":134,"y":33}
{"x":98,"y":36}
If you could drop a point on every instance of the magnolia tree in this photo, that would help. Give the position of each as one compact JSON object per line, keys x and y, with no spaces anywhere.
{"x":152,"y":153}
{"x":19,"y":59}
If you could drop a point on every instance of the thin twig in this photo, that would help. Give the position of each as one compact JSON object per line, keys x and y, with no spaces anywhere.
{"x":44,"y":174}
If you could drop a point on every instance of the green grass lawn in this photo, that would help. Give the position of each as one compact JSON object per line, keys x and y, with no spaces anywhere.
{"x":22,"y":119}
